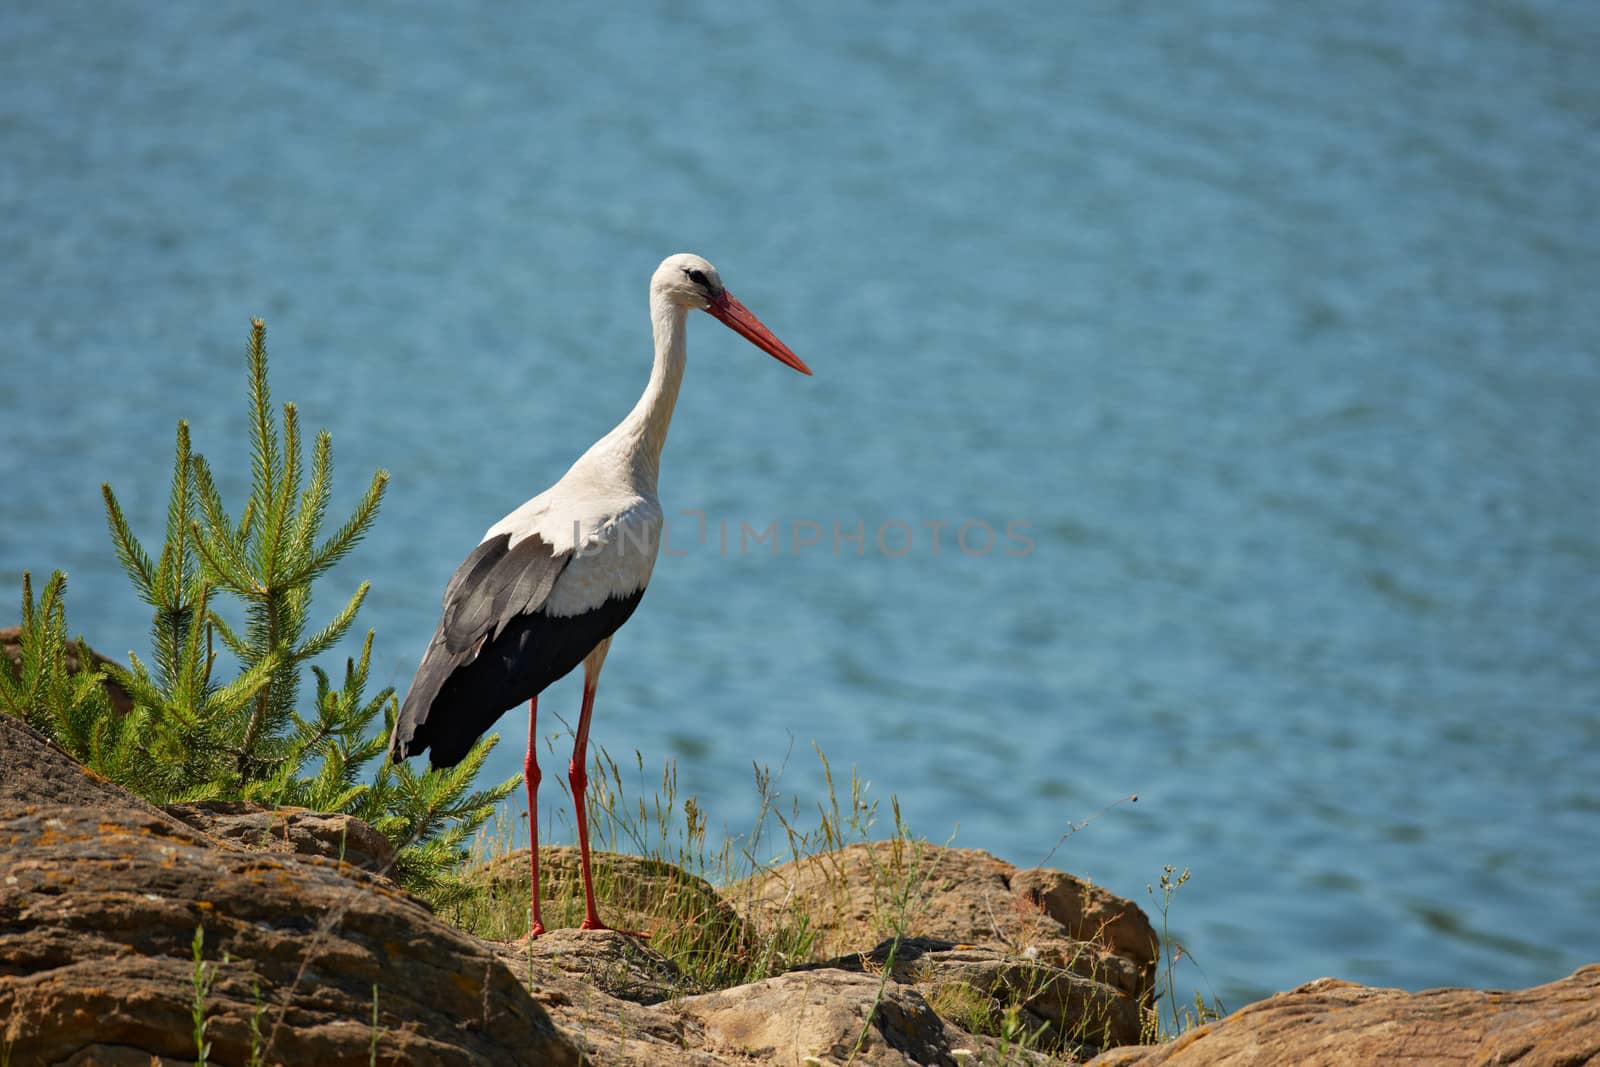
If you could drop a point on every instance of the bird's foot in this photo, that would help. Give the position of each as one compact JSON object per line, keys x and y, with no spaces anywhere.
{"x":596,"y":924}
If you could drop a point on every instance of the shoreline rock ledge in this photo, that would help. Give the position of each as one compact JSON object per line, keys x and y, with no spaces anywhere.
{"x":101,"y":893}
{"x":1329,"y":1023}
{"x":100,"y":896}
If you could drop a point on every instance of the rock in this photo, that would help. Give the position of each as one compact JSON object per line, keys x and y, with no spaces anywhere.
{"x":622,"y":965}
{"x":584,"y":976}
{"x":1328,"y":1023}
{"x":826,"y":1015}
{"x":1088,"y":914}
{"x":99,"y":901}
{"x":961,"y":895}
{"x":1067,"y":954}
{"x":625,"y":886}
{"x":34,"y":772}
{"x":290,"y":831}
{"x":11,"y":652}
{"x":974,"y":986}
{"x":101,"y":893}
{"x":629,"y":885}
{"x":592,"y":983}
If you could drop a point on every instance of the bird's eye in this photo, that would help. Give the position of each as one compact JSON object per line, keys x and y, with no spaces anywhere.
{"x":697,"y":276}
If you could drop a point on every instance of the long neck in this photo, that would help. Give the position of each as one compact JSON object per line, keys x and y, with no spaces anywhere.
{"x":645,"y":428}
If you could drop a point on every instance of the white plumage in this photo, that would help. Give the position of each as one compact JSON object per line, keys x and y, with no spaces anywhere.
{"x":552,"y":581}
{"x":613,"y":541}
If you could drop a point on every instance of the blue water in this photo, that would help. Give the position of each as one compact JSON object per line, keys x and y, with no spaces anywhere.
{"x":1274,"y":325}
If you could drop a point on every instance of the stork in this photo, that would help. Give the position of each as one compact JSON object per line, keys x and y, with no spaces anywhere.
{"x":551,"y":582}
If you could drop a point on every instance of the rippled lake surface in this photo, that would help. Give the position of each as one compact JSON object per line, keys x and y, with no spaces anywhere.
{"x":1272,"y":329}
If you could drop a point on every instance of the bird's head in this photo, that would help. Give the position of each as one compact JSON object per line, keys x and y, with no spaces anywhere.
{"x":688,"y":281}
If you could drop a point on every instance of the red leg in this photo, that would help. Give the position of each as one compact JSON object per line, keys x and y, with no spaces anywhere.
{"x":530,"y":776}
{"x":579,"y":777}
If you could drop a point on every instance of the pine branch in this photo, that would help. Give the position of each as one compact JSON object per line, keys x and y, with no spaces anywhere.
{"x":238,"y":693}
{"x":134,"y":559}
{"x":355,"y":673}
{"x":278,"y":505}
{"x":189,"y":737}
{"x":135,"y":680}
{"x":263,"y":435}
{"x":62,"y":700}
{"x":230,"y":640}
{"x":190,"y":681}
{"x":313,"y":507}
{"x":438,"y":810}
{"x":180,"y":514}
{"x":224,"y":557}
{"x":246,"y":522}
{"x":323,"y":639}
{"x":354,"y":528}
{"x":27,"y":597}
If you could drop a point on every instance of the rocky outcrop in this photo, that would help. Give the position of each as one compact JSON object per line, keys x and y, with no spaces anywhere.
{"x":101,"y":895}
{"x":290,"y":831}
{"x":605,"y":989}
{"x":1073,"y":962}
{"x":1329,"y":1023}
{"x":850,"y":1008}
{"x":1077,"y":961}
{"x":639,"y":894}
{"x":100,"y":899}
{"x":827,"y":1016}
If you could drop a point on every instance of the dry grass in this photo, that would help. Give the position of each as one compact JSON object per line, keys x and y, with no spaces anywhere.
{"x":666,"y":882}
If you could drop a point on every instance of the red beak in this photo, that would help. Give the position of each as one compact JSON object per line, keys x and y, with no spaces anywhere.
{"x":742,"y":320}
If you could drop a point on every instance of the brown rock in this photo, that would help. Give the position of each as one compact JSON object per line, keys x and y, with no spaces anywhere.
{"x":973,"y":986}
{"x":593,"y":982}
{"x":1069,"y":954}
{"x":1089,"y":914}
{"x":622,"y":965}
{"x":99,"y":900}
{"x":829,"y":1015}
{"x":34,"y":772}
{"x":633,"y":892}
{"x":290,"y":831}
{"x":1328,"y":1023}
{"x":958,"y":894}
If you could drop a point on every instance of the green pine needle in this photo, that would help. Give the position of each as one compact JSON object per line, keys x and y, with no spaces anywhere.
{"x":194,"y":734}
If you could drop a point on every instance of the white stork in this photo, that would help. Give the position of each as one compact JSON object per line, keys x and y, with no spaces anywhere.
{"x":552,"y":581}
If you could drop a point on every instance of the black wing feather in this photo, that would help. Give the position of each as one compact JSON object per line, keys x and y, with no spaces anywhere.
{"x":495,"y":584}
{"x":495,"y":647}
